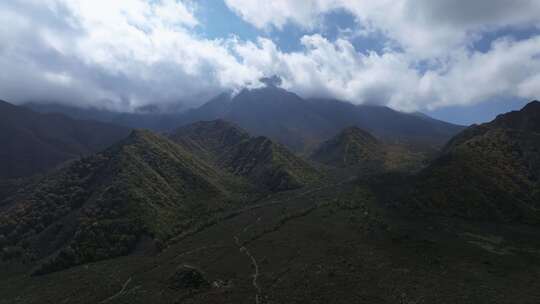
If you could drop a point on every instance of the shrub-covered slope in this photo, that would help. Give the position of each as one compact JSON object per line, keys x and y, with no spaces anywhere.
{"x":354,"y":148}
{"x":101,"y":206}
{"x":210,"y":139}
{"x":490,"y":171}
{"x":264,"y":162}
{"x":351,"y":148}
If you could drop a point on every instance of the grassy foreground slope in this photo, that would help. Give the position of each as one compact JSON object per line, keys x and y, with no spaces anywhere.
{"x":325,"y":245}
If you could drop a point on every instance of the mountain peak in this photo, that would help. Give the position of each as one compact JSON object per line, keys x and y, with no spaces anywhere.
{"x":526,"y":119}
{"x":7,"y":106}
{"x":302,"y":124}
{"x":140,"y":135}
{"x":273,"y":81}
{"x":352,"y":147}
{"x":532,"y":106}
{"x":224,"y":144}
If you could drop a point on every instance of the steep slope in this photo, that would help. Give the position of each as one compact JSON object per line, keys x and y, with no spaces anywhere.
{"x":33,"y":143}
{"x":210,"y":139}
{"x":352,"y":147}
{"x":269,"y":164}
{"x":490,"y":171}
{"x":357,"y":150}
{"x":265,"y":163}
{"x":103,"y":205}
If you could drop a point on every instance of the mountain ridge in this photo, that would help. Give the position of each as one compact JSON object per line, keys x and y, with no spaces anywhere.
{"x":489,"y":171}
{"x":35,"y":143}
{"x":302,"y":124}
{"x":299,"y":123}
{"x":352,"y":147}
{"x":101,"y":206}
{"x":263,"y":161}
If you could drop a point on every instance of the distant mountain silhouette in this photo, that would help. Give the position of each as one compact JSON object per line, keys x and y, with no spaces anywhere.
{"x":268,"y":164}
{"x":301,"y":124}
{"x":147,"y":117}
{"x":489,"y":171}
{"x":33,"y":142}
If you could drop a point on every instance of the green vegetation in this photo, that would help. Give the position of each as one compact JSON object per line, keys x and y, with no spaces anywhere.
{"x":488,"y":172}
{"x":100,"y":206}
{"x":354,"y":148}
{"x":266,"y":164}
{"x":205,"y":219}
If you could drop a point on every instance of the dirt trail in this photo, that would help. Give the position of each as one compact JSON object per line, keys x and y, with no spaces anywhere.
{"x":255,"y":274}
{"x":118,"y":294}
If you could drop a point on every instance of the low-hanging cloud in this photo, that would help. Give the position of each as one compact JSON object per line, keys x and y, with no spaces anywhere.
{"x":119,"y":54}
{"x":126,"y":53}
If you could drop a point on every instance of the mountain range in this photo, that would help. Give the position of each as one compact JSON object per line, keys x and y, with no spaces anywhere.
{"x":241,"y":203}
{"x":298,"y":123}
{"x":145,"y":185}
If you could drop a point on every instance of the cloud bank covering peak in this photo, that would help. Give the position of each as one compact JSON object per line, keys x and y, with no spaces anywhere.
{"x":124,"y":54}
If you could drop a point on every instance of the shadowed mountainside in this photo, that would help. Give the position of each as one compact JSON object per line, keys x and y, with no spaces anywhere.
{"x":489,"y":171}
{"x":34,"y":143}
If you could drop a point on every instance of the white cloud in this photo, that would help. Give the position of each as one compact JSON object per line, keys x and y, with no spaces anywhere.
{"x":277,"y":13}
{"x":510,"y":68}
{"x":426,"y":28}
{"x":336,"y":69}
{"x":126,"y":53}
{"x":436,"y":32}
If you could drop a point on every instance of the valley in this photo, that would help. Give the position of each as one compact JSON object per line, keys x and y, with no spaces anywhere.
{"x":269,"y":152}
{"x":208,"y":213}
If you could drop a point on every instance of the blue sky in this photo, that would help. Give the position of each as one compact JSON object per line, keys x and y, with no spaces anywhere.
{"x":457,"y":60}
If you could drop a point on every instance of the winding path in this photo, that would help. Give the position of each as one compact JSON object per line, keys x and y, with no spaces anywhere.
{"x":255,"y":274}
